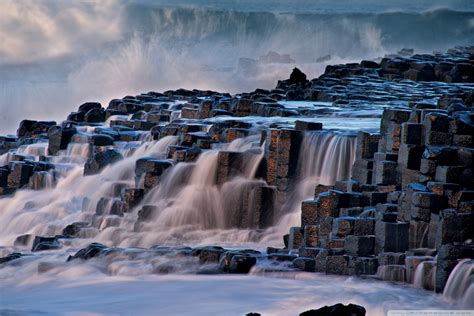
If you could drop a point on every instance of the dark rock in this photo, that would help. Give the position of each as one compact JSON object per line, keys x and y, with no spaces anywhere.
{"x":305,"y":264}
{"x":297,"y":76}
{"x":308,"y":126}
{"x":100,"y":160}
{"x":20,"y":174}
{"x":95,"y":115}
{"x":11,"y":257}
{"x":208,"y":254}
{"x":391,"y":237}
{"x":359,"y":245}
{"x":238,"y":261}
{"x":86,"y":107}
{"x":101,"y":140}
{"x":29,"y":128}
{"x":22,"y":240}
{"x":73,"y":229}
{"x":91,"y":251}
{"x":41,"y":243}
{"x":132,"y":196}
{"x":59,"y":138}
{"x":151,"y":165}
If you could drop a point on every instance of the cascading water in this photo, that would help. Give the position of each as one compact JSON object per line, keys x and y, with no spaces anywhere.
{"x":324,"y":158}
{"x":28,"y":212}
{"x":425,"y":274}
{"x":460,"y":284}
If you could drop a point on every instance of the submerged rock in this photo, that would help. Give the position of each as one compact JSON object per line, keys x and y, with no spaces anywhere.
{"x":91,"y":251}
{"x":11,"y":257}
{"x":41,"y":243}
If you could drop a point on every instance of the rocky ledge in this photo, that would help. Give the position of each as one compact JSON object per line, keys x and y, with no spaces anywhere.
{"x":409,"y":203}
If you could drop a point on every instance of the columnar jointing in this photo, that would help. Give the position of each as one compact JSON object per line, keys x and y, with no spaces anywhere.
{"x":396,"y":204}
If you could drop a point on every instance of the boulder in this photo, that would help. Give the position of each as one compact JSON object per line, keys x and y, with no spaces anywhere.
{"x":95,"y":115}
{"x":297,"y":76}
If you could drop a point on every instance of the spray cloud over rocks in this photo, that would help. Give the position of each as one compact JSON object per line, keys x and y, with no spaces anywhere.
{"x":57,"y":55}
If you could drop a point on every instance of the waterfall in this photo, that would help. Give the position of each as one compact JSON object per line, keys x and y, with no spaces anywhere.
{"x":190,"y":194}
{"x":324,"y":158}
{"x":425,"y":275}
{"x":47,"y":212}
{"x":193,"y":201}
{"x":460,"y":284}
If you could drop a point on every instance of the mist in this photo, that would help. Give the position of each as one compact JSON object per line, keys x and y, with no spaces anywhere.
{"x":56,"y":55}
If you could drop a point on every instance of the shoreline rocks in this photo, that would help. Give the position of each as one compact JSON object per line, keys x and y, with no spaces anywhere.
{"x":410,"y":194}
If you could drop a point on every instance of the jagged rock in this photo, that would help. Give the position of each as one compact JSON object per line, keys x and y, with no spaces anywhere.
{"x":297,"y":76}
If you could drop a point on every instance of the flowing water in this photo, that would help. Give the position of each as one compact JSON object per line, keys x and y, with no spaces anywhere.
{"x":460,"y":285}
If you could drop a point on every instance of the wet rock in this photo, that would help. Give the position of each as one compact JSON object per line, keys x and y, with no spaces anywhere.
{"x":95,"y":115}
{"x":208,"y":254}
{"x":391,"y":237}
{"x":304,"y":264}
{"x":281,"y":257}
{"x":311,"y":235}
{"x":447,"y":258}
{"x":29,"y":128}
{"x":238,"y":261}
{"x":337,"y":264}
{"x":132,"y":196}
{"x":101,"y":140}
{"x":59,"y":138}
{"x":91,"y":251}
{"x":11,"y":257}
{"x":40,"y":180}
{"x":151,"y":165}
{"x":86,"y":107}
{"x":454,"y":227}
{"x":308,"y":126}
{"x":73,"y":229}
{"x":41,"y":243}
{"x":310,"y":252}
{"x":22,"y":240}
{"x":359,"y":245}
{"x":296,"y":238}
{"x":20,"y":174}
{"x":100,"y":160}
{"x":362,"y":265}
{"x":297,"y":76}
